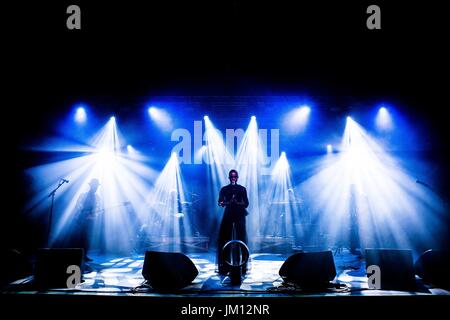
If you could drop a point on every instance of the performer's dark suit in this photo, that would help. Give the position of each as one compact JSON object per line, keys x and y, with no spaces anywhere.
{"x":235,"y":199}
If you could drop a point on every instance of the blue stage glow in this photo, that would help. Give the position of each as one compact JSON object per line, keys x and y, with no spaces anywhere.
{"x":249,"y":160}
{"x":383,"y":119}
{"x":80,"y":115}
{"x":218,"y":160}
{"x":167,"y":220}
{"x":363,"y":197}
{"x":296,"y":120}
{"x":124,"y":185}
{"x":329,"y":148}
{"x":161,"y":118}
{"x":362,"y":192}
{"x":280,"y":210}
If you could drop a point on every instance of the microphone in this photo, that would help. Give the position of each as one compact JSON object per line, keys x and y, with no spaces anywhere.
{"x":64,"y":180}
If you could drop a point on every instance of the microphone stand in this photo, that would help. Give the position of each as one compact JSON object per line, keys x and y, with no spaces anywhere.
{"x":52,"y":194}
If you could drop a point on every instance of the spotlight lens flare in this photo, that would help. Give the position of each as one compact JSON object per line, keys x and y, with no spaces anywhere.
{"x":305,"y":109}
{"x":297,"y":119}
{"x":152,"y":111}
{"x":80,"y":115}
{"x":383,"y":120}
{"x":329,"y":148}
{"x":302,"y":113}
{"x":161,"y":118}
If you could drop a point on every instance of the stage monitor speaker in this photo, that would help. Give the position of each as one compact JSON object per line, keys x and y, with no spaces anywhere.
{"x":168,"y":270}
{"x":309,"y":269}
{"x":396,"y":268}
{"x":51,"y":266}
{"x":14,"y":266}
{"x":433,"y":267}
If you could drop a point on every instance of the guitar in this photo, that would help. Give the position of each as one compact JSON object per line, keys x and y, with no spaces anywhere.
{"x":90,"y":215}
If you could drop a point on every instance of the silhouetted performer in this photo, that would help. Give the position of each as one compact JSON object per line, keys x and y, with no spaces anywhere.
{"x":89,"y":206}
{"x":234,"y":198}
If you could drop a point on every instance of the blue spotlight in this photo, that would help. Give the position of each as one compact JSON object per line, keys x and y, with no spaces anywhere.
{"x":305,"y":109}
{"x":282,"y":164}
{"x":152,"y":111}
{"x":329,"y":148}
{"x":113,"y":119}
{"x":130,"y":149}
{"x":279,"y":219}
{"x":253,"y":118}
{"x":206,"y":118}
{"x":80,"y":115}
{"x":383,"y":119}
{"x":200,"y":152}
{"x":161,"y":118}
{"x":296,"y":120}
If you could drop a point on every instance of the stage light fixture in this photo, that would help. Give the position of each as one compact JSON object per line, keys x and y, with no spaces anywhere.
{"x":161,"y":118}
{"x":383,"y":119}
{"x":329,"y":148}
{"x":80,"y":115}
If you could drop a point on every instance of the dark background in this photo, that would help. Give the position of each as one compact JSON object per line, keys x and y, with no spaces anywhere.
{"x":127,"y":50}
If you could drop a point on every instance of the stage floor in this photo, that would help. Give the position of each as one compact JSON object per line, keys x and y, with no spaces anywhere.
{"x":112,"y":275}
